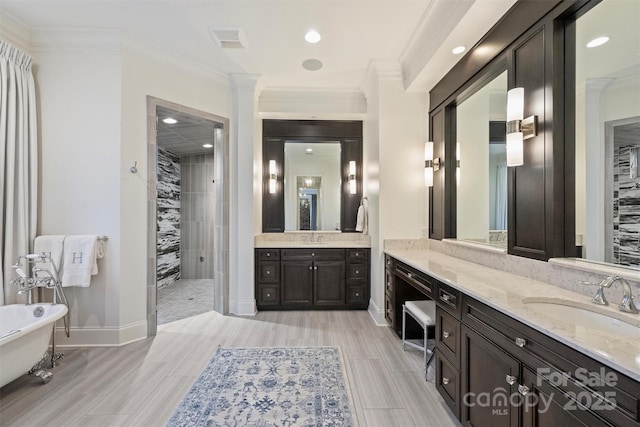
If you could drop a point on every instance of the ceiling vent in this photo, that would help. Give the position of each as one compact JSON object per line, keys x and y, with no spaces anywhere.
{"x":228,"y":37}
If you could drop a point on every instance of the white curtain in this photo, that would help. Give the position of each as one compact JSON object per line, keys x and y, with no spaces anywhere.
{"x":18,"y":162}
{"x":501,"y":197}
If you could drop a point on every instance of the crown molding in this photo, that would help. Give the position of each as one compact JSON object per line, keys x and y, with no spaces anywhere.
{"x":76,"y":40}
{"x":439,"y":20}
{"x":88,"y":41}
{"x":15,"y":32}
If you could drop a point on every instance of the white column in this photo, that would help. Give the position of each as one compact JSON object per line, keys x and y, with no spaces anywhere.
{"x":241,"y":239}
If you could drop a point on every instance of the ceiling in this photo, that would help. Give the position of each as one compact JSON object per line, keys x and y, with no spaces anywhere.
{"x":419,"y":34}
{"x":187,"y":136}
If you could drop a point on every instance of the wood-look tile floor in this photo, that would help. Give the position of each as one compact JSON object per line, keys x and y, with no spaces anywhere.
{"x":141,"y":384}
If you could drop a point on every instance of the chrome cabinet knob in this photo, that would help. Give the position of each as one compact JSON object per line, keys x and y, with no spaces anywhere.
{"x":357,"y":271}
{"x":511,"y":380}
{"x":409,"y":275}
{"x":357,"y":294}
{"x":523,"y":389}
{"x":268,"y":295}
{"x":520,"y":342}
{"x":446,"y":334}
{"x":445,"y":380}
{"x":268,"y":253}
{"x":444,"y":297}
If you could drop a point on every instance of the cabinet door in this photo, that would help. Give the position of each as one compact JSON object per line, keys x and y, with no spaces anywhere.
{"x":486,"y":373}
{"x":545,"y":405}
{"x":329,"y":282}
{"x":297,"y":283}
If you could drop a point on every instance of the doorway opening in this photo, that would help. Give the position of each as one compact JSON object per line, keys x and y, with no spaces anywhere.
{"x":187,"y":231}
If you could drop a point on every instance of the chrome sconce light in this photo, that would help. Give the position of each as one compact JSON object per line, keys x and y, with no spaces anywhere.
{"x":428,"y":164}
{"x":518,"y":128}
{"x":352,"y":177}
{"x":273,"y":176}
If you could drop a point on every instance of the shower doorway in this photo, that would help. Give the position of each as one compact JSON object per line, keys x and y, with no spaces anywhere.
{"x":186,"y":164}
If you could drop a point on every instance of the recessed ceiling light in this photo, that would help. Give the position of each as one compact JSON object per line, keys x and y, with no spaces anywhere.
{"x":458,"y":49}
{"x":598,"y":41}
{"x":309,"y":150}
{"x":170,"y":121}
{"x":207,"y":145}
{"x":312,"y":36}
{"x":312,"y":65}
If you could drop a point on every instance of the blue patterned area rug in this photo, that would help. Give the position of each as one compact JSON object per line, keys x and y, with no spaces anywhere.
{"x":260,"y":387}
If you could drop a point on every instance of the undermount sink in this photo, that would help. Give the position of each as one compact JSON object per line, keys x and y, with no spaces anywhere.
{"x":582,"y":315}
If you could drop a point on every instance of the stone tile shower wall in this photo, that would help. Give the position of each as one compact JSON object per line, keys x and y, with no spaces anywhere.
{"x":197,"y":260}
{"x":626,"y":211}
{"x":168,"y":238}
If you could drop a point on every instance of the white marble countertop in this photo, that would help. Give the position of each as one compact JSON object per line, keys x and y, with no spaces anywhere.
{"x":300,"y":244}
{"x":312,"y":239}
{"x":506,"y":292}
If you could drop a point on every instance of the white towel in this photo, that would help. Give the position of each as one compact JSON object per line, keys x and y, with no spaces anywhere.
{"x":80,"y":260}
{"x":362,"y":218}
{"x":52,"y":246}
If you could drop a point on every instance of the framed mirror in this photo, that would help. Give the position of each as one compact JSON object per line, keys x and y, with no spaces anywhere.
{"x":607,"y":133}
{"x":312,"y":184}
{"x":312,"y":175}
{"x":481,"y":164}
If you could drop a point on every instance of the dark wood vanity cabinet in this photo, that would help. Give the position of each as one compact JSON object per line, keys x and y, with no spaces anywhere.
{"x":314,"y":278}
{"x":493,"y":370}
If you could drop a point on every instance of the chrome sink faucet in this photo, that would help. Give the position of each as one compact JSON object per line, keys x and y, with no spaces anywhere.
{"x":626,"y":304}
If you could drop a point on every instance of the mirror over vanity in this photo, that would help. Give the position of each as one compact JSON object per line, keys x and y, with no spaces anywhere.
{"x":576,"y":192}
{"x":312,"y":175}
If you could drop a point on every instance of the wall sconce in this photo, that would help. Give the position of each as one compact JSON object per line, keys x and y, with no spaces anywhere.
{"x":518,"y":129}
{"x":428,"y":164}
{"x":273,"y":176}
{"x":457,"y":164}
{"x":352,"y":177}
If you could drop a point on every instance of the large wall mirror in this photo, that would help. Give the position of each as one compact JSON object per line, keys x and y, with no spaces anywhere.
{"x":312,"y":186}
{"x":607,"y":132}
{"x":312,"y":175}
{"x":481,"y":165}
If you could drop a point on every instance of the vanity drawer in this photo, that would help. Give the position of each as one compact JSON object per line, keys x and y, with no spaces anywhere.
{"x":268,"y":272}
{"x":357,"y":272}
{"x":388,"y":310}
{"x":268,"y":254}
{"x":357,"y":295}
{"x":389,"y":262}
{"x":268,"y":295}
{"x":448,"y":383}
{"x":312,"y":254}
{"x":358,"y":253}
{"x":449,"y":299}
{"x":448,"y":335}
{"x":388,"y":282}
{"x":416,"y":279}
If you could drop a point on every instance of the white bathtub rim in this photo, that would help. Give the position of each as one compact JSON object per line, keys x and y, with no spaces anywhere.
{"x":52,"y":314}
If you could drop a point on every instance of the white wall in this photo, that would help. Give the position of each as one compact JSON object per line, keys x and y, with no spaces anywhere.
{"x":80,"y":115}
{"x":93,"y":115}
{"x":395,"y":133}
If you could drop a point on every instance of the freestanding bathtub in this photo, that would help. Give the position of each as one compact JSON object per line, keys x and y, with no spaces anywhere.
{"x":25,"y":332}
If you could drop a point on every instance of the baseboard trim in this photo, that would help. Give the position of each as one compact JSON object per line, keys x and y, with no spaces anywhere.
{"x":101,"y":337}
{"x":377,"y":314}
{"x":243,"y":308}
